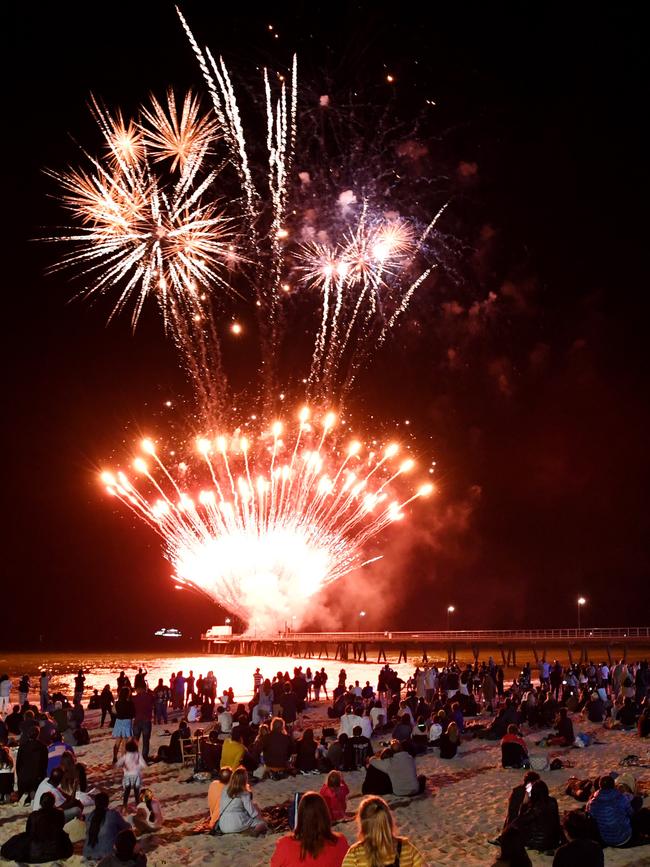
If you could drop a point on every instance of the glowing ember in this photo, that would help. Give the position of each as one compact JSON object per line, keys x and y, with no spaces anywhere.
{"x":274,"y":519}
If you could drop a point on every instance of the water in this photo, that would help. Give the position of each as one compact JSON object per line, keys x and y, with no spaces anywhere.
{"x":230,"y":671}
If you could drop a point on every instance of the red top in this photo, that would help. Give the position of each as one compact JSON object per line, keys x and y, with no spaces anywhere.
{"x":336,"y":800}
{"x":287,"y":853}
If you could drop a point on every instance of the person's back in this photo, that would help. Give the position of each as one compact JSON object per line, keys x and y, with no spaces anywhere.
{"x":237,"y":813}
{"x":401,"y":770}
{"x":612,"y":813}
{"x":47,"y":839}
{"x":277,"y":749}
{"x":579,"y":853}
{"x":108,"y":830}
{"x":232,"y":753}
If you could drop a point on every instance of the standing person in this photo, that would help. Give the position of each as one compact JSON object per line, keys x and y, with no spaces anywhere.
{"x":257,"y":681}
{"x":323,"y":682}
{"x":189,"y":686}
{"x":161,"y":697}
{"x":143,"y":702}
{"x":133,"y":764}
{"x":140,"y":680}
{"x":318,"y":682}
{"x":178,"y":695}
{"x":313,"y":842}
{"x":123,"y":682}
{"x":377,"y":842}
{"x":309,"y":677}
{"x":44,"y":687}
{"x":23,"y":690}
{"x":79,"y":682}
{"x":106,"y":702}
{"x":123,"y":727}
{"x":210,"y":687}
{"x":5,"y":693}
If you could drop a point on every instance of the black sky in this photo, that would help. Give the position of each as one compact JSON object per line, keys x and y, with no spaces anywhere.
{"x":525,"y":376}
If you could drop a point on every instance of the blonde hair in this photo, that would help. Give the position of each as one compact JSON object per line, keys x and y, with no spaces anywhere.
{"x":452,"y":732}
{"x":376,"y":831}
{"x":238,"y":782}
{"x":334,"y":779}
{"x":277,"y":724}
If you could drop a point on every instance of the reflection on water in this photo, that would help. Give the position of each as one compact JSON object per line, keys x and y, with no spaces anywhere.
{"x":230,"y":671}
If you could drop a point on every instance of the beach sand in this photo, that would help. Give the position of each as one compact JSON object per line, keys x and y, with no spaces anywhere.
{"x":464,"y":807}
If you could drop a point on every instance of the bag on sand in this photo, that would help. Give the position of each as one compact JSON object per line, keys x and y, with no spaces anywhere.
{"x":76,"y":830}
{"x":538,"y":763}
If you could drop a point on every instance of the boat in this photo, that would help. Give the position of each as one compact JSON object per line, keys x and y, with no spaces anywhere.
{"x":168,"y":633}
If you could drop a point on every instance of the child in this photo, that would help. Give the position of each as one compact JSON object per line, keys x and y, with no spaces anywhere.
{"x":335,"y":792}
{"x":133,"y":763}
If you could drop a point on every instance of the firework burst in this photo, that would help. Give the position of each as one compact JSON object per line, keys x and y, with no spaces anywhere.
{"x":268,"y":518}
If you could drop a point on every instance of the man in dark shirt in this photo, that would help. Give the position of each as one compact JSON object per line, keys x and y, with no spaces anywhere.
{"x":289,"y":705}
{"x":581,"y":850}
{"x":143,"y":701}
{"x":518,"y":795}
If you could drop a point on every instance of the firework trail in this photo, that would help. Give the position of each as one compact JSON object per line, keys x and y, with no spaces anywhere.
{"x":270,"y":519}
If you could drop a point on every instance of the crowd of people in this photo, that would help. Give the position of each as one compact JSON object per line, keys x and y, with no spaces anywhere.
{"x":378,"y":729}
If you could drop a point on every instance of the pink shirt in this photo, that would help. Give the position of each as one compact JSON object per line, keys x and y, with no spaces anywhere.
{"x":336,"y":800}
{"x":287,"y":853}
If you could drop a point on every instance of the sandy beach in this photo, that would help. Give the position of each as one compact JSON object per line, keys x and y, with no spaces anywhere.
{"x":463,"y":808}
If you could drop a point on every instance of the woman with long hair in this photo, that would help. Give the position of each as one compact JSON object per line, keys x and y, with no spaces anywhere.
{"x":539,"y":819}
{"x":148,"y":815}
{"x":237,"y":811}
{"x":313,"y":842}
{"x":449,"y":741}
{"x":74,"y":775}
{"x":378,"y":845}
{"x":102,"y":828}
{"x":124,"y":715}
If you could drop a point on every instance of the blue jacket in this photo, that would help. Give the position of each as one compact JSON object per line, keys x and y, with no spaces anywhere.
{"x":611,"y":811}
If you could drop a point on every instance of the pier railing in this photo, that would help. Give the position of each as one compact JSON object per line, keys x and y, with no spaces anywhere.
{"x":450,"y":635}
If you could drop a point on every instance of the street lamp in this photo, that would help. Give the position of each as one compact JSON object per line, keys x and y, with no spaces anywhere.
{"x":450,"y":611}
{"x":361,"y":614}
{"x":581,"y":601}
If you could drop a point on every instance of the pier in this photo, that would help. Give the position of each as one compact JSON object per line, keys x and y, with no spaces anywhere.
{"x":579,"y":644}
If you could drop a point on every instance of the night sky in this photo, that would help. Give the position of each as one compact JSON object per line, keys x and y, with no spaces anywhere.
{"x":523,"y":370}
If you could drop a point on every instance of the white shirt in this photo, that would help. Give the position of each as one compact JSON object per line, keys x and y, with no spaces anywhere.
{"x":43,"y":787}
{"x":357,"y":691}
{"x":225,"y":722}
{"x":349,"y":721}
{"x":375,"y":713}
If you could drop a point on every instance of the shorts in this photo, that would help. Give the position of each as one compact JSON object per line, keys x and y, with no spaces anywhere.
{"x":123,"y":728}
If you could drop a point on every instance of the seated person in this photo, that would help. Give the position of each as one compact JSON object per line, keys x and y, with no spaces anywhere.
{"x":564,"y":728}
{"x":539,"y":819}
{"x":627,"y":714}
{"x":336,"y":754}
{"x":126,"y":853}
{"x":224,"y":721}
{"x":402,"y":731}
{"x":102,"y":827}
{"x":233,"y":750}
{"x":55,"y":752}
{"x":399,"y":767}
{"x":214,"y":794}
{"x":514,"y":752}
{"x":449,"y":742}
{"x":237,"y":810}
{"x":612,"y":812}
{"x":335,"y":792}
{"x":44,"y":838}
{"x":581,"y":849}
{"x":67,"y":803}
{"x":211,"y":751}
{"x":14,"y":720}
{"x":174,"y":753}
{"x":306,"y":761}
{"x":520,"y":795}
{"x":595,"y":709}
{"x":148,"y":814}
{"x":358,"y":749}
{"x":278,"y":747}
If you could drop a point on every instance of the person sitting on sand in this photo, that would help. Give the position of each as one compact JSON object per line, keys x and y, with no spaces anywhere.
{"x":173,"y":752}
{"x":627,"y":714}
{"x":215,"y":790}
{"x":126,"y":852}
{"x":402,"y":731}
{"x":539,"y":819}
{"x":102,"y":827}
{"x":43,"y":839}
{"x":377,"y":840}
{"x":449,"y":741}
{"x":313,"y":842}
{"x":68,"y":803}
{"x":14,"y":720}
{"x":612,"y":812}
{"x":336,"y":753}
{"x":237,"y":810}
{"x":564,"y":728}
{"x":74,"y":777}
{"x":335,"y":792}
{"x":55,"y":752}
{"x":581,"y":850}
{"x":6,"y":775}
{"x":278,"y":747}
{"x":233,"y":750}
{"x":519,"y":796}
{"x":306,"y":753}
{"x":399,"y":766}
{"x":514,"y":752}
{"x":595,"y":710}
{"x":148,"y":816}
{"x":513,"y":852}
